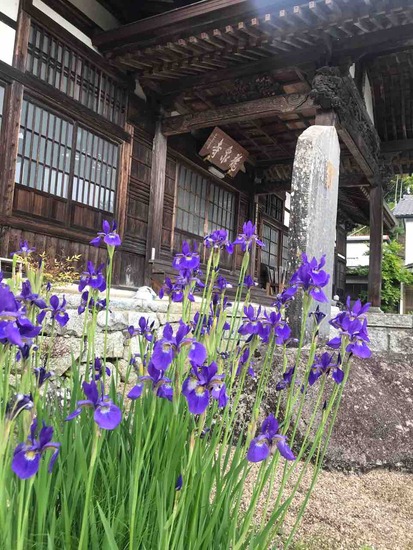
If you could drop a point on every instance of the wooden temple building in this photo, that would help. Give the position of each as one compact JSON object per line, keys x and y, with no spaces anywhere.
{"x":177,"y":117}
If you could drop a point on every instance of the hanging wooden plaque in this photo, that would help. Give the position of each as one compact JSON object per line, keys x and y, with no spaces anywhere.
{"x":224,"y":152}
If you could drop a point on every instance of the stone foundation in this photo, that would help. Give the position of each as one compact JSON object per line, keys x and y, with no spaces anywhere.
{"x":391,"y":332}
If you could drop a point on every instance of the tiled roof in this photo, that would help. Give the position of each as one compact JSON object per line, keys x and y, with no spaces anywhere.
{"x":404,"y":208}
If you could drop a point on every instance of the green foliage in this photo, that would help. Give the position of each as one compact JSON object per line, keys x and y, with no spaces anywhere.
{"x":397,"y":188}
{"x":393,"y":273}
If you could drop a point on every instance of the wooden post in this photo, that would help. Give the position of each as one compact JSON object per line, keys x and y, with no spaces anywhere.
{"x":9,"y":146}
{"x":122,"y":194}
{"x":376,"y":245}
{"x":156,"y":197}
{"x":253,"y":216}
{"x":11,"y":120}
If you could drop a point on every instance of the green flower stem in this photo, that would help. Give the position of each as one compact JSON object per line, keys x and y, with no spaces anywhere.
{"x":96,"y":444}
{"x":320,"y":457}
{"x":291,"y":389}
{"x":23,"y":513}
{"x":213,"y":262}
{"x":310,"y":362}
{"x":238,"y":294}
{"x":109,"y":273}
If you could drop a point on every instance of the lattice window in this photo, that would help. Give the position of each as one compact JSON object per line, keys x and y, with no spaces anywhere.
{"x":95,"y":171}
{"x":285,"y":252}
{"x":191,"y":201}
{"x":45,"y":151}
{"x":1,"y":103}
{"x":203,"y":206}
{"x":51,"y":60}
{"x":49,"y":162}
{"x":221,"y":210}
{"x":270,"y":252}
{"x":274,"y":207}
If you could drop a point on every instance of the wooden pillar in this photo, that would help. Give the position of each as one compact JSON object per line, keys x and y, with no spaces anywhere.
{"x":253,"y":216}
{"x":156,"y":198}
{"x":8,"y":148}
{"x":123,"y":184}
{"x":376,"y":245}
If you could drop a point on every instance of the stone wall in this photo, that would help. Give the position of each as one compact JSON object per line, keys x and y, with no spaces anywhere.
{"x":124,"y":312}
{"x":388,"y":332}
{"x":391,"y":332}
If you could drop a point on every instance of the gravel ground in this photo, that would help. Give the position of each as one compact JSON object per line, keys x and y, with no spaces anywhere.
{"x":354,"y":512}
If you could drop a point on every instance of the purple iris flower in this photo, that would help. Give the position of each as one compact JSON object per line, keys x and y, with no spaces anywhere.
{"x":108,"y":234}
{"x":188,"y":259}
{"x":26,"y":459}
{"x":317,"y":315}
{"x":106,"y":415}
{"x":10,"y":309}
{"x":19,"y":402}
{"x":98,"y":369}
{"x":222,"y":284}
{"x":174,"y":291}
{"x":324,"y":365}
{"x":15,"y":328}
{"x":41,"y":375}
{"x":29,"y":298}
{"x":261,"y":447}
{"x":352,"y":323}
{"x":202,"y":384}
{"x":312,"y":278}
{"x":166,"y":349}
{"x":249,"y":282}
{"x":93,"y":277}
{"x":280,"y":328}
{"x":248,"y":236}
{"x":24,"y":250}
{"x":179,"y":483}
{"x":251,"y":324}
{"x":356,"y":331}
{"x":284,"y":297}
{"x":357,"y":310}
{"x":99,"y":305}
{"x":243,"y":361}
{"x":287,"y":379}
{"x":161,"y":385}
{"x":219,"y":239}
{"x":58,"y":312}
{"x":144,"y":329}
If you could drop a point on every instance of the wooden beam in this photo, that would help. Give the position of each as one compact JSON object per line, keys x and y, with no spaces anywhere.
{"x":356,"y":151}
{"x":351,"y":48}
{"x":270,"y":187}
{"x":331,"y":90}
{"x":397,"y":146}
{"x":250,"y":110}
{"x":325,"y":117}
{"x":273,"y":63}
{"x":175,"y":22}
{"x":156,"y":198}
{"x":376,"y":245}
{"x":353,"y":180}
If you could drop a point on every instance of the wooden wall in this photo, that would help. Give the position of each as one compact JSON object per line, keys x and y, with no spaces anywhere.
{"x":136,"y":224}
